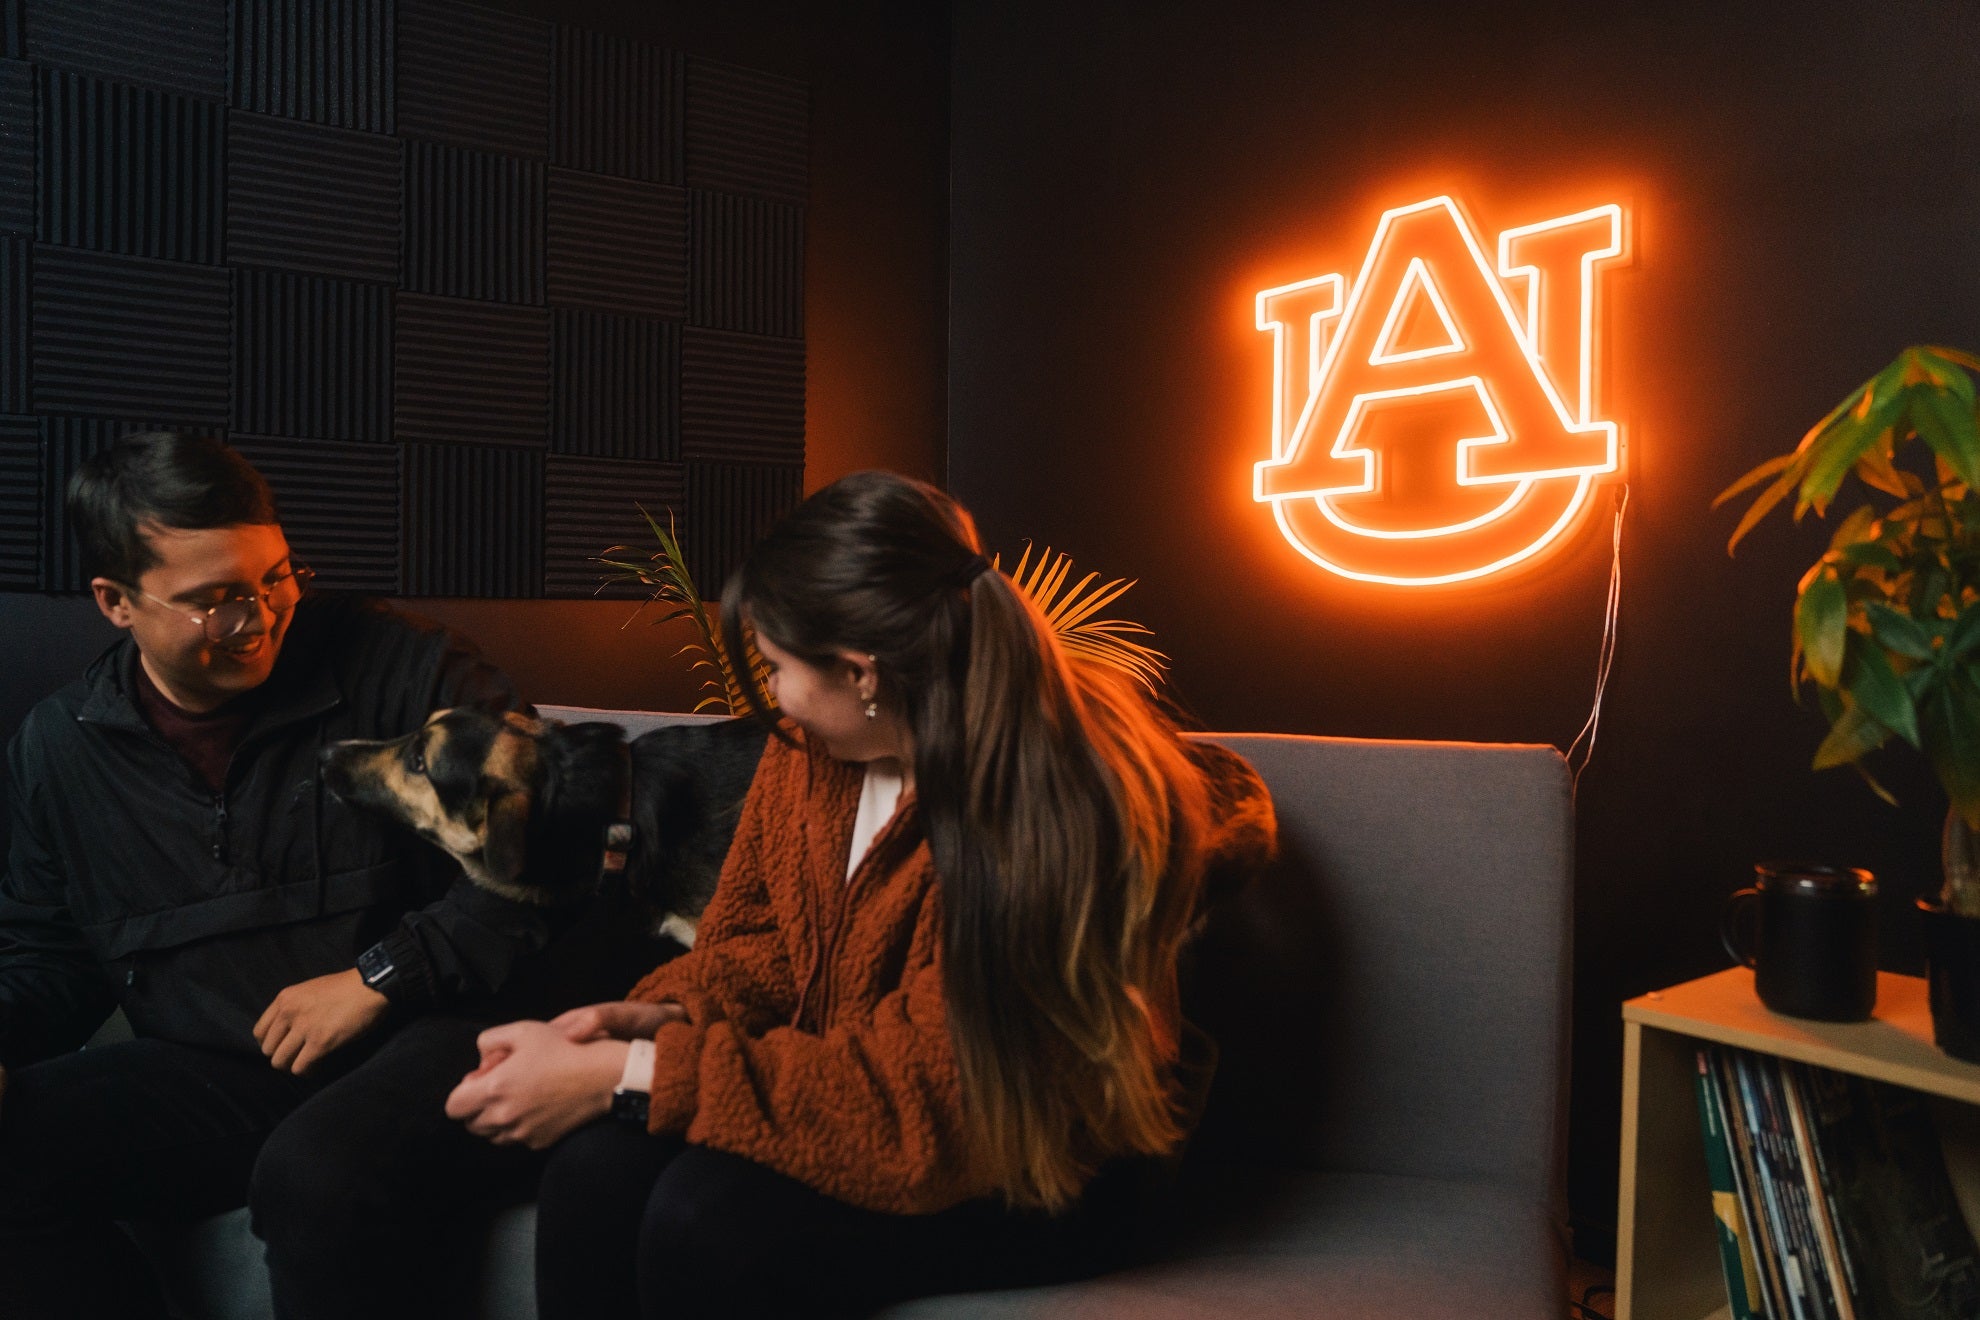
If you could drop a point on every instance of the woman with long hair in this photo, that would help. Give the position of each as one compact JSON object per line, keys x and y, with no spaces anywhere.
{"x":935,"y":997}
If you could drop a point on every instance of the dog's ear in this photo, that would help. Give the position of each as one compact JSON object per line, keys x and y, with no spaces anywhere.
{"x":505,"y":846}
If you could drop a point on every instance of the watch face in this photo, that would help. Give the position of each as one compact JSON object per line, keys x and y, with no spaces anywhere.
{"x":374,"y":965}
{"x":630,"y":1106}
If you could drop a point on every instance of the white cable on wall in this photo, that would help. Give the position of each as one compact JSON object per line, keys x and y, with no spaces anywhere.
{"x":1606,"y":658}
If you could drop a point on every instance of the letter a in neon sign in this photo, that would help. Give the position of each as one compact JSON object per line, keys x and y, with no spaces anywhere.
{"x":1435,"y":421}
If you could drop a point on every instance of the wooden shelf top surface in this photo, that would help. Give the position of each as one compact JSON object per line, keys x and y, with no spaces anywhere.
{"x":1894,"y":1046}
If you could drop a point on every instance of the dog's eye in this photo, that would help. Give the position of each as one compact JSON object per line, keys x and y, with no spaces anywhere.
{"x":416,"y":759}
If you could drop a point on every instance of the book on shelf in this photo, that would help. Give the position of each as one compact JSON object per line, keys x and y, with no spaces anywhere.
{"x":1842,"y":1190}
{"x":1746,"y":1172}
{"x":1742,"y":1272}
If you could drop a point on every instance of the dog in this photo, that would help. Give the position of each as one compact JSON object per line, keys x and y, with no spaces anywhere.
{"x":534,"y":809}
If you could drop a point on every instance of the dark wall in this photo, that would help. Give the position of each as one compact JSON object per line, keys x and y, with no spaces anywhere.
{"x":874,"y":316}
{"x":1803,"y":180}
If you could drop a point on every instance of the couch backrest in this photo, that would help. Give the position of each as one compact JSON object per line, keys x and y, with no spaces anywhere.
{"x":1393,"y":996}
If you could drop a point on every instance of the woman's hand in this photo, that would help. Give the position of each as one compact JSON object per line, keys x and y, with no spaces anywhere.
{"x":620,"y":1020}
{"x":535,"y":1084}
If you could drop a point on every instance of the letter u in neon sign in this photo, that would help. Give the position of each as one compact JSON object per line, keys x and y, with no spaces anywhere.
{"x":1435,"y":421}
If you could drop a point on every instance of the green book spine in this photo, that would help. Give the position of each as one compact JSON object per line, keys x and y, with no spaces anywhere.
{"x":1735,"y":1247}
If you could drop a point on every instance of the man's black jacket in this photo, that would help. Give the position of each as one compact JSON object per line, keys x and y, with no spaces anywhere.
{"x":129,"y":882}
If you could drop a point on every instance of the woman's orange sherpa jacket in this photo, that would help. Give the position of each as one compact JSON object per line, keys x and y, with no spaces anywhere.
{"x":816,"y":1041}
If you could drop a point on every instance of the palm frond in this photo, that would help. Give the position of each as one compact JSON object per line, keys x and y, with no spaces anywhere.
{"x":664,"y":572}
{"x":1070,"y":612}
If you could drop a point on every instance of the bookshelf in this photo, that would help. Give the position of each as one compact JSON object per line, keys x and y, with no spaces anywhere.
{"x":1667,"y":1256}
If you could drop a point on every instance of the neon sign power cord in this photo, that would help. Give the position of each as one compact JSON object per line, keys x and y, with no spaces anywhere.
{"x":1606,"y":659}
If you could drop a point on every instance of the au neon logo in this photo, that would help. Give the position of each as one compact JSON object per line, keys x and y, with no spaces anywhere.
{"x":1436,"y":420}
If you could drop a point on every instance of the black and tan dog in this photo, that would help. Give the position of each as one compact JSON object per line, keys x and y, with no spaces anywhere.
{"x":524,"y":805}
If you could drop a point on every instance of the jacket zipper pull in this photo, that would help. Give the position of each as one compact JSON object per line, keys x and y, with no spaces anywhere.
{"x":219,"y":828}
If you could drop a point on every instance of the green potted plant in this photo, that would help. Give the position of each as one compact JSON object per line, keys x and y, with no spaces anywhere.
{"x":1887,"y":621}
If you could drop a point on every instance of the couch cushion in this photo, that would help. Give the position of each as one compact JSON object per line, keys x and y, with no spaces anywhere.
{"x":1392,"y":996}
{"x":1318,"y":1246}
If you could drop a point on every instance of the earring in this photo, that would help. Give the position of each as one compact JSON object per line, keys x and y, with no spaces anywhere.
{"x":872,"y":710}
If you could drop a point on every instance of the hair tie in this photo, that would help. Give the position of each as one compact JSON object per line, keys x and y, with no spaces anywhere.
{"x":972,"y":570}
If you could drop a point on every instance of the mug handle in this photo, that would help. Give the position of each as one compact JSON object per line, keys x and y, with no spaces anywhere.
{"x":1729,"y":922}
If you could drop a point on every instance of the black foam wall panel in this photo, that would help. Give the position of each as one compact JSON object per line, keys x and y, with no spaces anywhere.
{"x":20,"y":502}
{"x":17,"y":147}
{"x":473,"y":521}
{"x":340,"y":506}
{"x":468,"y":287}
{"x":313,"y":356}
{"x":326,"y":61}
{"x":583,"y":497}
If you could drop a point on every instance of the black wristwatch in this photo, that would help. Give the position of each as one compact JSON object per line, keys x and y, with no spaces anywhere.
{"x":375,"y":965}
{"x":630,"y":1106}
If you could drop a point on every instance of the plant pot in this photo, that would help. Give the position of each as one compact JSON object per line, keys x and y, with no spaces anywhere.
{"x":1952,"y":960}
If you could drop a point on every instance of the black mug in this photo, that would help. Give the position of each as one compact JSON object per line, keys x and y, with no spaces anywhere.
{"x":1814,"y":945}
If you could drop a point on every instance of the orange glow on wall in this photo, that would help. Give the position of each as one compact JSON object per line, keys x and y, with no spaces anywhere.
{"x":1435,"y":421}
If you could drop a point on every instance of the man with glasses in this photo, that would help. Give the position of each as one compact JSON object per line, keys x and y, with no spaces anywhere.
{"x":172,"y":851}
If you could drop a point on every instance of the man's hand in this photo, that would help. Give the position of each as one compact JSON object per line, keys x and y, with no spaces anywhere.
{"x":535,"y":1084}
{"x":311,"y":1018}
{"x":619,"y":1020}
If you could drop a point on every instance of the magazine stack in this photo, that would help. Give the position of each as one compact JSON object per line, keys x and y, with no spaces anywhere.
{"x":1831,"y":1195}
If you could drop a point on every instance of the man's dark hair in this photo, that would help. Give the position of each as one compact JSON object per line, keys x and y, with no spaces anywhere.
{"x":164,"y":478}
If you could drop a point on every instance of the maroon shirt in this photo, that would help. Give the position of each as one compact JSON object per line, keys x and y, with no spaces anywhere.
{"x":204,"y":740}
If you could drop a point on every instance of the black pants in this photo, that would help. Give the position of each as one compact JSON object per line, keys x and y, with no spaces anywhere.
{"x":634,"y":1225}
{"x":354,"y":1178}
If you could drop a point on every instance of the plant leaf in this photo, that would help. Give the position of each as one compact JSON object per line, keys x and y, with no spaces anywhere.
{"x":1877,"y":691}
{"x":1853,"y":735}
{"x":1762,"y":505}
{"x":1753,"y":477}
{"x":1854,"y":528}
{"x":1947,"y":425}
{"x":1821,"y":621}
{"x":1964,"y":634}
{"x":1899,"y":632}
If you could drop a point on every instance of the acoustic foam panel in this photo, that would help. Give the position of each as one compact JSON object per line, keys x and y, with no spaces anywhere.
{"x":327,"y":61}
{"x":131,"y":337}
{"x":318,"y":199}
{"x":616,"y":107}
{"x":474,"y":224}
{"x":65,"y":443}
{"x":130,"y":169}
{"x":745,"y":264}
{"x":729,"y":508}
{"x":742,"y":397}
{"x":474,"y":372}
{"x":615,"y":385}
{"x":473,"y":520}
{"x":617,"y":244}
{"x":339,"y":504}
{"x":473,"y":77}
{"x":173,"y":45}
{"x":313,"y":357}
{"x":747,"y":132}
{"x":17,"y":148}
{"x":591,"y":505}
{"x":15,"y":327}
{"x":20,"y":503}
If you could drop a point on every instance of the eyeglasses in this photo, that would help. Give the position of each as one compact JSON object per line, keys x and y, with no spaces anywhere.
{"x":231,"y":616}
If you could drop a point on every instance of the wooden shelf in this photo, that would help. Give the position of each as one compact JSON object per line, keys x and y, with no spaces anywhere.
{"x":1667,"y":1254}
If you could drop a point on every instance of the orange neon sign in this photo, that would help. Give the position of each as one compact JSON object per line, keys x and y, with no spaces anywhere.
{"x":1435,"y":420}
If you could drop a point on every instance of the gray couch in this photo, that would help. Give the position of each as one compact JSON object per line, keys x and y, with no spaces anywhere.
{"x":1385,"y":1135}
